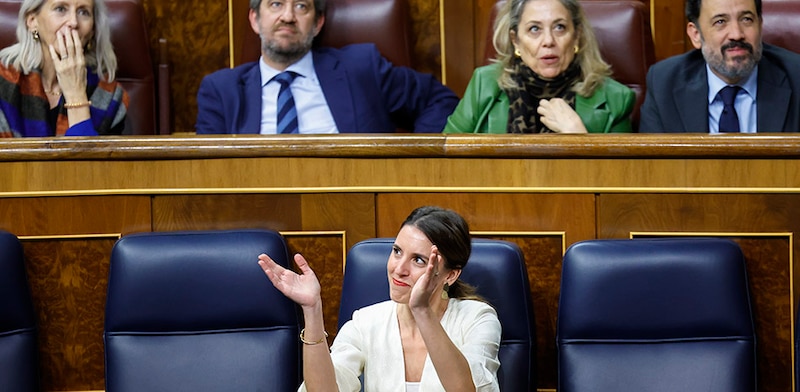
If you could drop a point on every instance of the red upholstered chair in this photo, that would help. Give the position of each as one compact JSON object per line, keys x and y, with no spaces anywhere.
{"x":782,"y":23}
{"x":135,"y":65}
{"x":385,"y":23}
{"x":622,"y":28}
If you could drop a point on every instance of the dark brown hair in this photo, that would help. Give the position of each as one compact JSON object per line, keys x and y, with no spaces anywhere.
{"x":450,"y":233}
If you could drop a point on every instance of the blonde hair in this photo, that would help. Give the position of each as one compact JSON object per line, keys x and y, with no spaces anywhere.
{"x":26,"y":55}
{"x":594,"y":69}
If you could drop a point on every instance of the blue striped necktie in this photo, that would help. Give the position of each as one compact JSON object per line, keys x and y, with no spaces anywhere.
{"x":729,"y":120}
{"x":287,"y":112}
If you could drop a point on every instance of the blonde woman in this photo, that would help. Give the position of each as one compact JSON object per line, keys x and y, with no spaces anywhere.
{"x":548,"y":77}
{"x":58,"y":79}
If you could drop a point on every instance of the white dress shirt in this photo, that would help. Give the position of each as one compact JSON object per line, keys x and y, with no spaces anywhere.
{"x":313,"y":114}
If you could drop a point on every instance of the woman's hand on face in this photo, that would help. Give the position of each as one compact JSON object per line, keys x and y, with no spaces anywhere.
{"x":70,"y":64}
{"x":429,"y":286}
{"x":560,"y":117}
{"x":303,"y":288}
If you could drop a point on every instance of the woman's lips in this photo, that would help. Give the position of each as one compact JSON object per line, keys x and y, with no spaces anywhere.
{"x":549,"y":60}
{"x":399,"y":283}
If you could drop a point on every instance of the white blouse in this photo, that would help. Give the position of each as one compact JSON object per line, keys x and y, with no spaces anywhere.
{"x":370,"y":344}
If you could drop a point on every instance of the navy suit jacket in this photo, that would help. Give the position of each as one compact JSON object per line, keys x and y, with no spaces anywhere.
{"x":677,"y":93}
{"x":364,"y":91}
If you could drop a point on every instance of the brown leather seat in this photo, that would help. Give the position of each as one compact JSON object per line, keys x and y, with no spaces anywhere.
{"x":135,"y":66}
{"x":782,"y":23}
{"x":385,"y":23}
{"x":623,"y":32}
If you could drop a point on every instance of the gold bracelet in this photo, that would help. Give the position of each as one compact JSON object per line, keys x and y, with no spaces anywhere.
{"x":303,"y":338}
{"x":77,"y":105}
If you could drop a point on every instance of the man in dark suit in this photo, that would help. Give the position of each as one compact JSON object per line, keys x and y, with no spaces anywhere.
{"x":353,"y":89}
{"x":687,"y":93}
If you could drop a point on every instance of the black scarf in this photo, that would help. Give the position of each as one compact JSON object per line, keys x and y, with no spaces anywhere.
{"x":524,"y":101}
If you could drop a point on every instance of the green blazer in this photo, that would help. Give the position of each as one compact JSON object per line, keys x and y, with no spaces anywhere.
{"x":484,"y":107}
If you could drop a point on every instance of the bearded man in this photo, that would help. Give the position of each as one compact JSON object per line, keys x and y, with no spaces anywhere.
{"x":731,"y":82}
{"x":295,"y":88}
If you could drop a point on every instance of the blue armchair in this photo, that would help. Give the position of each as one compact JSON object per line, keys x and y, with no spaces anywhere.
{"x":495,"y":268}
{"x":655,"y":315}
{"x":193,"y":311}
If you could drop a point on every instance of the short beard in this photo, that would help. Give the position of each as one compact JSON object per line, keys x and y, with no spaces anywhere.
{"x":288,"y":55}
{"x":742,"y":65}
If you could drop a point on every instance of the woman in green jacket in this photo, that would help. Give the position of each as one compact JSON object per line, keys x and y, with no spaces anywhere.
{"x":548,"y":77}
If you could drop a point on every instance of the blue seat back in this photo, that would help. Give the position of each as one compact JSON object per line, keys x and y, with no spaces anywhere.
{"x":495,"y":268}
{"x":655,"y":315}
{"x":18,"y":346}
{"x":193,"y":311}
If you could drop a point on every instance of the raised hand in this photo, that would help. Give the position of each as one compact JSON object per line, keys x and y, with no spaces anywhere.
{"x":560,"y":117}
{"x":303,"y":288}
{"x":70,"y":64}
{"x":428,"y":287}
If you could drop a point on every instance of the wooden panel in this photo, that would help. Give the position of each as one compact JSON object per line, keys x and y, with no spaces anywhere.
{"x":350,"y":213}
{"x":197,"y":36}
{"x":572,"y":214}
{"x":37,"y":216}
{"x":620,"y":214}
{"x":483,"y":24}
{"x":669,"y":28}
{"x":68,"y":279}
{"x":220,"y":212}
{"x":353,"y":213}
{"x":458,"y":58}
{"x":762,"y":224}
{"x":325,"y":255}
{"x":426,"y":36}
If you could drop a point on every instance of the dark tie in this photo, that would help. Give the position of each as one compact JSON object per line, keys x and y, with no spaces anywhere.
{"x":287,"y":113}
{"x":729,"y":120}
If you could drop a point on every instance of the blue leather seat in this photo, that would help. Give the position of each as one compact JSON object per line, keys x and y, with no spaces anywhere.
{"x":193,"y":311}
{"x":496,"y":268}
{"x":18,"y":347}
{"x":655,"y":315}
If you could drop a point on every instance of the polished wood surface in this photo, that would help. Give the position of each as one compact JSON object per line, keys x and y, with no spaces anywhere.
{"x":69,"y":199}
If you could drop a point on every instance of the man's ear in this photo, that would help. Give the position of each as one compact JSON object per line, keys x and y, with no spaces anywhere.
{"x":253,"y":17}
{"x":693,"y":31}
{"x":318,"y":27}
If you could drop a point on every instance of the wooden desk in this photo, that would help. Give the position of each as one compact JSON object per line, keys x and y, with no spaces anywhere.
{"x":69,"y":199}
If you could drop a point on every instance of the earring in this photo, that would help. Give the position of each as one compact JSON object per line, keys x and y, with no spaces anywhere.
{"x":445,"y":294}
{"x":577,"y":49}
{"x":35,"y":35}
{"x":89,"y":45}
{"x":517,"y":53}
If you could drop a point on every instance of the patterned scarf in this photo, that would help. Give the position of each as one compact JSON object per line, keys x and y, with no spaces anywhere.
{"x":524,"y":102}
{"x":25,"y":110}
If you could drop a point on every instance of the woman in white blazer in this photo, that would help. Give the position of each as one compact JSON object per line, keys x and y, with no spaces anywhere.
{"x":434,"y":334}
